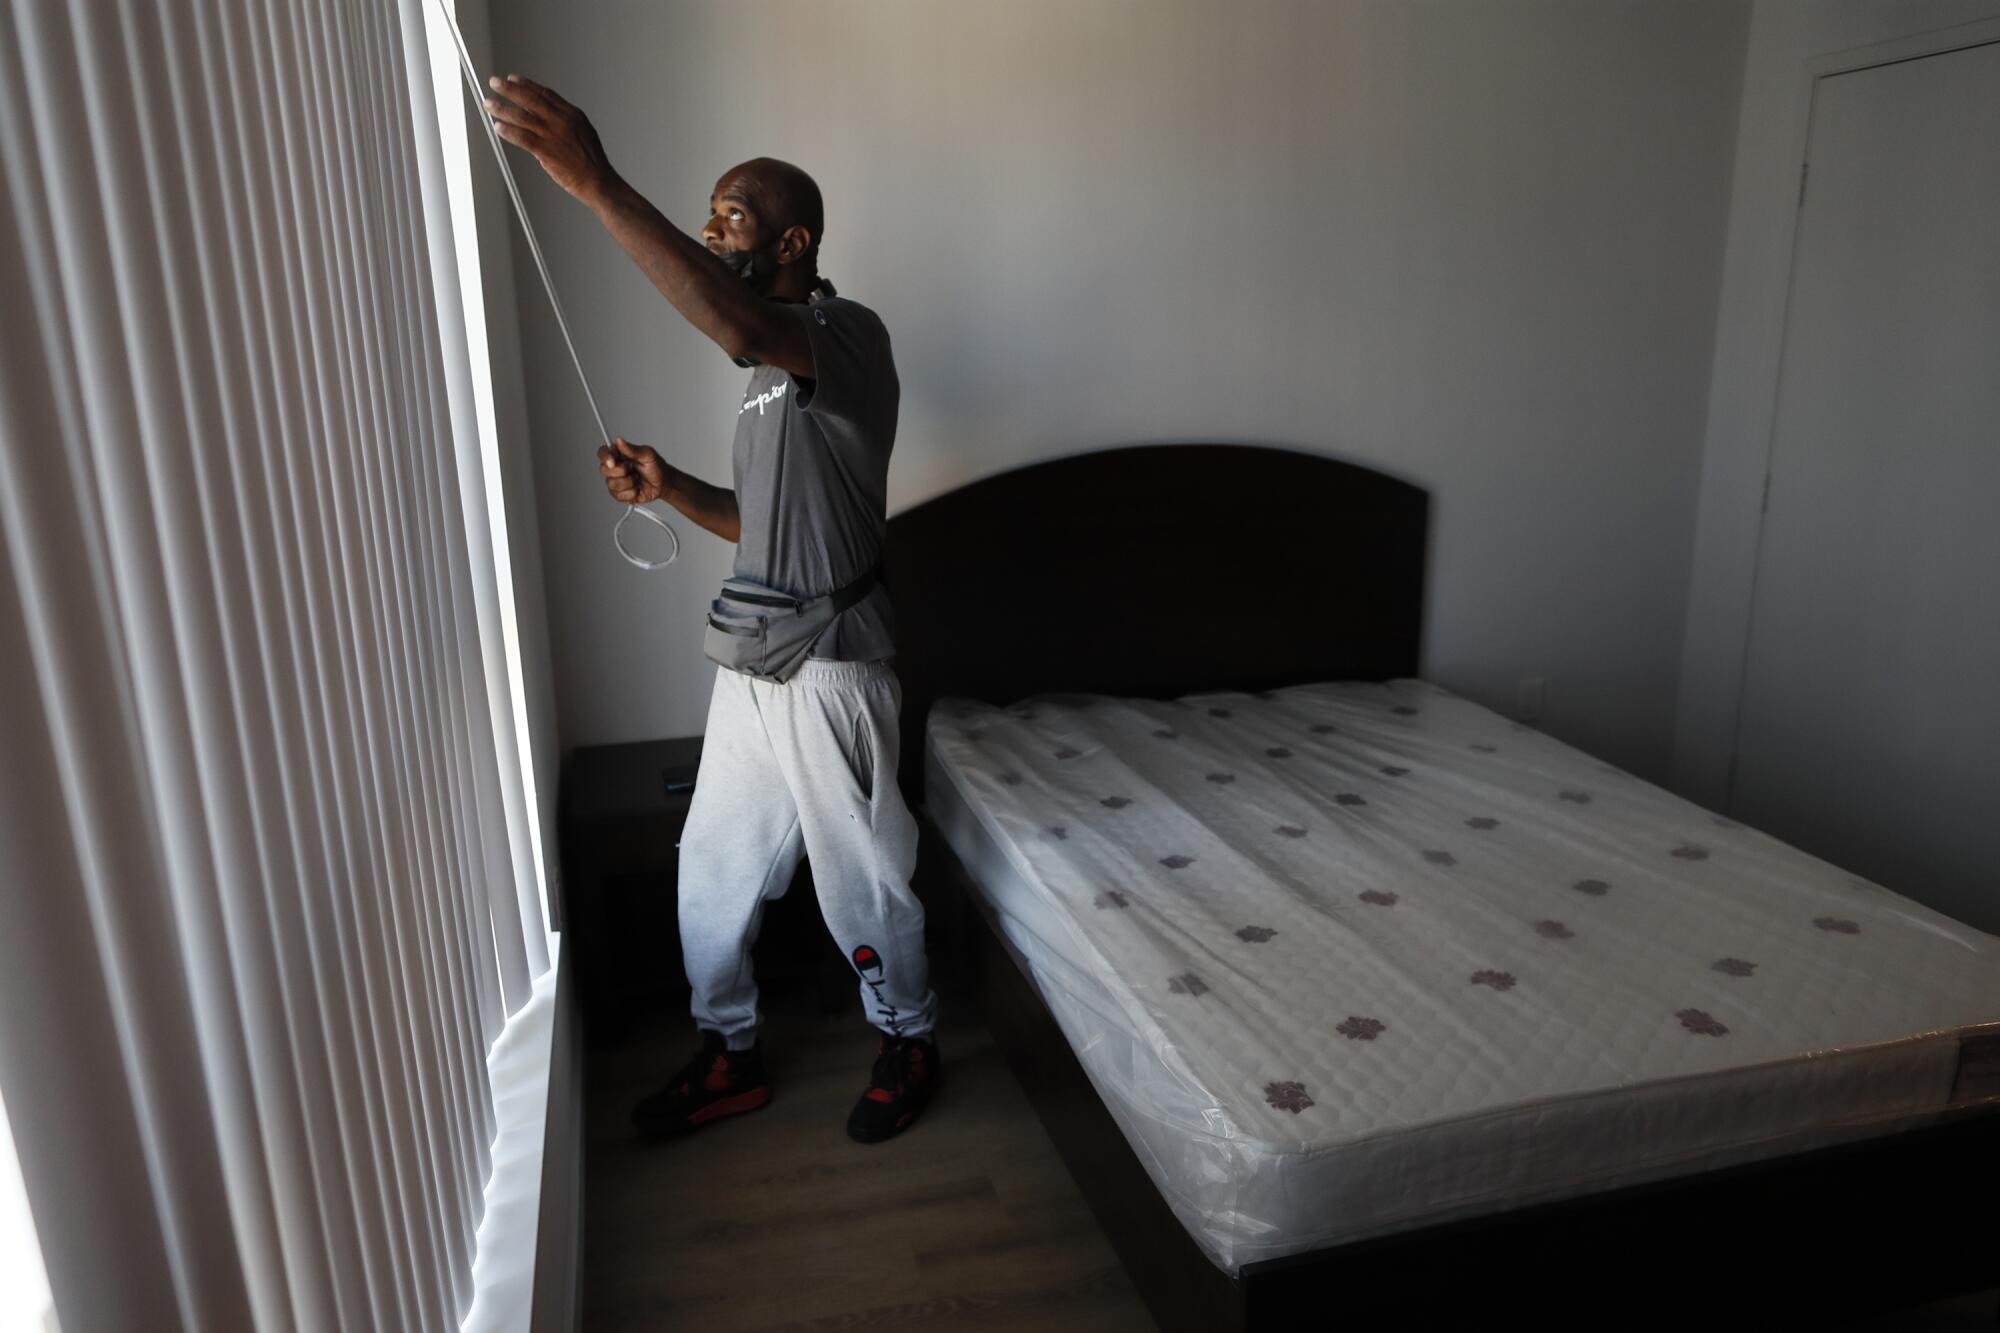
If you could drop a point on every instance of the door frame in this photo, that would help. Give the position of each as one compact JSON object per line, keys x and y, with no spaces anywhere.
{"x":1809,"y":71}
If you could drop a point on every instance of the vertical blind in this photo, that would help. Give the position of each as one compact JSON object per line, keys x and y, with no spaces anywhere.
{"x":270,"y":893}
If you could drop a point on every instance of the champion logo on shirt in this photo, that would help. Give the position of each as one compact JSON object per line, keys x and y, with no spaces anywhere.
{"x":762,"y":400}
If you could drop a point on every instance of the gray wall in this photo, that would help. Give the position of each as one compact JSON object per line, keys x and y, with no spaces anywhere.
{"x":1477,"y":246}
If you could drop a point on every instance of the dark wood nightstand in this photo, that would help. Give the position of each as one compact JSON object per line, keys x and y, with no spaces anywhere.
{"x":621,"y":812}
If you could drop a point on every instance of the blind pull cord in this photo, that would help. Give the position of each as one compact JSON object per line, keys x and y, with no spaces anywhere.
{"x":473,"y":86}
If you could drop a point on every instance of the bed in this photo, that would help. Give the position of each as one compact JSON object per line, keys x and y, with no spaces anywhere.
{"x":1341,"y":993}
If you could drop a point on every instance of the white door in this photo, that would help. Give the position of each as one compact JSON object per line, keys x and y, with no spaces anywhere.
{"x":1870,"y":722}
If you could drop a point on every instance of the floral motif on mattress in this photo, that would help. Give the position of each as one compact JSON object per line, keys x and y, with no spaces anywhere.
{"x":1349,"y":908}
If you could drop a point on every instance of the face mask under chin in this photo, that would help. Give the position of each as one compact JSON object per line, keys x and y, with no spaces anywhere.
{"x":744,"y":264}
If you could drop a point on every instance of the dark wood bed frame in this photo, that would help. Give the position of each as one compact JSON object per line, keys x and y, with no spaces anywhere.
{"x":1158,"y":570}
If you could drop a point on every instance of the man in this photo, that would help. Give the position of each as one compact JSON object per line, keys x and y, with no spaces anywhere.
{"x":808,"y":765}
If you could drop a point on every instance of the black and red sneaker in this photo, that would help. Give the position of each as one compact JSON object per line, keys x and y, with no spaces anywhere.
{"x":715,"y":1082}
{"x":907,"y":1071}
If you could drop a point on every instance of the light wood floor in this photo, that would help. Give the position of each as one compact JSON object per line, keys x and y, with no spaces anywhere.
{"x":777,"y":1220}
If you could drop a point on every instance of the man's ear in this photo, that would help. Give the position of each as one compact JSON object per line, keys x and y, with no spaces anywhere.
{"x":795,"y":242}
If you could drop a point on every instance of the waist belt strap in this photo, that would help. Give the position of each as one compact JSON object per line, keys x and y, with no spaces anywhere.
{"x":855,"y":591}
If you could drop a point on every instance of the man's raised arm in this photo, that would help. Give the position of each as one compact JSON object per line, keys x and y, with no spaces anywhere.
{"x":700,"y":286}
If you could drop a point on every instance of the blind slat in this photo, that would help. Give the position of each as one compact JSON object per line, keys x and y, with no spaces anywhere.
{"x":278,"y":660}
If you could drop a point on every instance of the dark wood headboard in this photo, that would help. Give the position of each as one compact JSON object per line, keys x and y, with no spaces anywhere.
{"x":1154,"y":571}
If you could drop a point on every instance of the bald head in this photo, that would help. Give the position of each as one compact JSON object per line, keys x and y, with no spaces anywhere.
{"x":790,"y":197}
{"x":765,"y":219}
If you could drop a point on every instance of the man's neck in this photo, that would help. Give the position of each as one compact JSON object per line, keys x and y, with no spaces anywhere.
{"x":791,"y":287}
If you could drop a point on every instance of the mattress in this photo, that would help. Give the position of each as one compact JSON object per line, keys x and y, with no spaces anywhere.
{"x":1350,"y":958}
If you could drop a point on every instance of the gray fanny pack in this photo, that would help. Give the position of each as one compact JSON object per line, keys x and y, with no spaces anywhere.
{"x":765,"y":633}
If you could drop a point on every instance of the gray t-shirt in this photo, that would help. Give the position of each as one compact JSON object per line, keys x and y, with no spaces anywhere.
{"x":811,"y":461}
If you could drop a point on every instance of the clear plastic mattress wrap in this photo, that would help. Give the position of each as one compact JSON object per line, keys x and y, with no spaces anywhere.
{"x":1351,"y":958}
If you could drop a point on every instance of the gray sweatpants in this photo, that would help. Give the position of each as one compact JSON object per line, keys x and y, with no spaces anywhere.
{"x":804,"y":767}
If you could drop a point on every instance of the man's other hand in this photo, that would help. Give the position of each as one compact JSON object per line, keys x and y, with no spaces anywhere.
{"x":530,"y":116}
{"x":634,"y":474}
